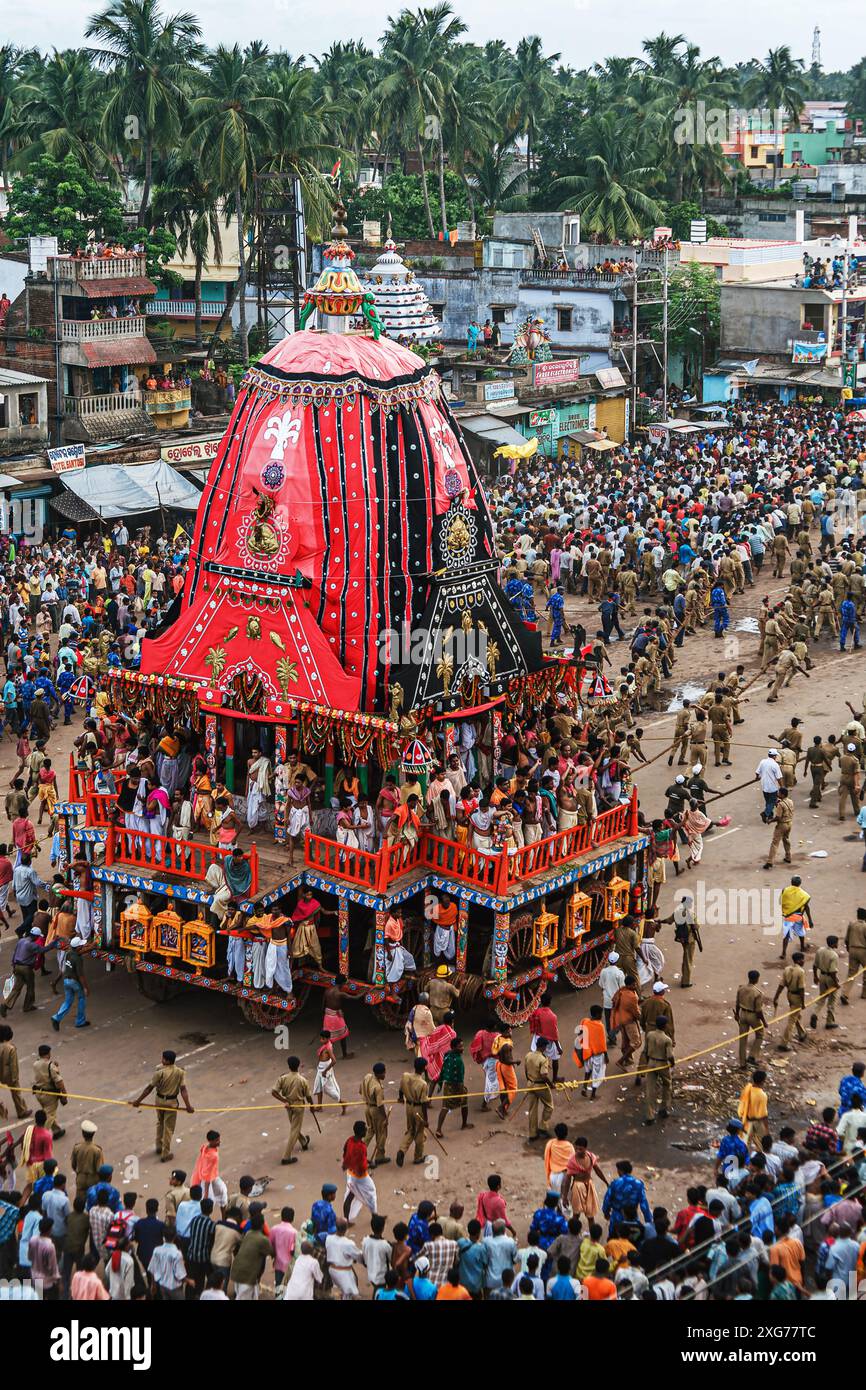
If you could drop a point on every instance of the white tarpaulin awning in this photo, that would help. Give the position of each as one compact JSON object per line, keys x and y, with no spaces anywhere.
{"x":111,"y":490}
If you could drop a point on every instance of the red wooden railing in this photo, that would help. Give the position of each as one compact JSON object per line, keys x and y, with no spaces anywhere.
{"x":341,"y":861}
{"x":182,"y":858}
{"x":463,"y":862}
{"x":82,"y":780}
{"x":493,"y":872}
{"x":99,"y":807}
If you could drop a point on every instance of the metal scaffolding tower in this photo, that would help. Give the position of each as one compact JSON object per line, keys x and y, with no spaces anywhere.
{"x":280,"y":263}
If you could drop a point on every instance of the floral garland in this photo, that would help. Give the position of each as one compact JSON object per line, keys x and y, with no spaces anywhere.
{"x":321,"y":393}
{"x":539,"y":686}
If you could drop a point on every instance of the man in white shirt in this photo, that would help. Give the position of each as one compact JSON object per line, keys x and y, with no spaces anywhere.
{"x":610,"y":980}
{"x":769,"y":774}
{"x":341,"y":1252}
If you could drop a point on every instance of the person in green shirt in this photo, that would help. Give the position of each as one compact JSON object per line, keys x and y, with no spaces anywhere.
{"x":252,"y":1255}
{"x":591,"y":1249}
{"x":454,"y":1095}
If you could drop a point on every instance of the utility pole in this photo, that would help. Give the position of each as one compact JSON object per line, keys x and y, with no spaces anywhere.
{"x":665,"y":336}
{"x":843,"y":315}
{"x":634,"y":345}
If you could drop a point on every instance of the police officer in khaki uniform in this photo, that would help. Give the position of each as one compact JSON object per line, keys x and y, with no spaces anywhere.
{"x":414,"y":1092}
{"x":719,"y":715}
{"x":793,"y":982}
{"x":294,"y":1091}
{"x":855,"y":945}
{"x":849,"y":779}
{"x":48,"y":1088}
{"x":783,"y":816}
{"x":538,"y":1078}
{"x":749,"y":1013}
{"x":657,"y":1006}
{"x":9,"y":1073}
{"x":375,"y":1112}
{"x":681,"y":735}
{"x":825,"y":971}
{"x":169,"y":1082}
{"x":658,"y":1052}
{"x":625,"y":943}
{"x":818,"y":763}
{"x":86,"y":1159}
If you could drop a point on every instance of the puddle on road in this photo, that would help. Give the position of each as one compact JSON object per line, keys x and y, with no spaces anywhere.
{"x":688,"y":691}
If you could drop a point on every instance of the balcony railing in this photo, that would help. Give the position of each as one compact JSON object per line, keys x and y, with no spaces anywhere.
{"x":84,"y":406}
{"x":492,"y":872}
{"x":100,"y":267}
{"x":161,"y":854}
{"x":574,"y":279}
{"x":183,"y":308}
{"x":82,"y":780}
{"x":167,"y":402}
{"x":93,"y":330}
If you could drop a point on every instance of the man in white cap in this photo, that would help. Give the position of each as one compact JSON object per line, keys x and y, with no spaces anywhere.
{"x":849,"y":779}
{"x":769,"y":774}
{"x":609,"y":981}
{"x":75,"y":988}
{"x":86,"y":1159}
{"x":657,"y":1005}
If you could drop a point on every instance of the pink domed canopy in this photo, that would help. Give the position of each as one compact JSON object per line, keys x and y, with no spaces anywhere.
{"x":343,"y":471}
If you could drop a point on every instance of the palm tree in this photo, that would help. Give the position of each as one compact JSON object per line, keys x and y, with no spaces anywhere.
{"x":346,"y":78}
{"x":297,"y":145}
{"x":440,"y":28}
{"x":779,"y":85}
{"x":410,"y":90}
{"x":661,"y":52}
{"x":186,"y":202}
{"x":59,"y":112}
{"x":12,"y":70}
{"x":148,"y":59}
{"x":532,"y":86}
{"x":468,"y":121}
{"x":492,"y":181}
{"x":611,"y":196}
{"x":231,"y":125}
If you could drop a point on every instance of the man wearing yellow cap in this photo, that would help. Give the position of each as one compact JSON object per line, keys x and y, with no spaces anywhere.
{"x":443,"y":995}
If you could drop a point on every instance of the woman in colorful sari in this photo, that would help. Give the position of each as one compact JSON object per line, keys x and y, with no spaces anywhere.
{"x":387,"y":803}
{"x":578,"y":1188}
{"x":434,"y":1048}
{"x":506,"y":1076}
{"x":695,"y":824}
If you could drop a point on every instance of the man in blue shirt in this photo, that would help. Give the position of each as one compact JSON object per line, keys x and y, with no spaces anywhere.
{"x":474,"y":1259}
{"x":851,"y":1086}
{"x":104,"y":1184}
{"x":322,"y":1215}
{"x":849,"y":623}
{"x":732,"y":1152}
{"x":625,"y":1191}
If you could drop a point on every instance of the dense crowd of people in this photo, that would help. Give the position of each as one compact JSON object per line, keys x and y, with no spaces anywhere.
{"x":659,"y":542}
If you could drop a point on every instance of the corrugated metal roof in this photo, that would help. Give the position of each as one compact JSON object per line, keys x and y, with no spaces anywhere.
{"x":117,"y":352}
{"x":104,"y":289}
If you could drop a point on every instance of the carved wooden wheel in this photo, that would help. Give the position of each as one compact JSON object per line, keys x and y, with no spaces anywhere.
{"x":269,"y":1016}
{"x":521,"y":1000}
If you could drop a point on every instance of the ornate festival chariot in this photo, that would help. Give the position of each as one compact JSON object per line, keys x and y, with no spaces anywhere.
{"x":342,"y":603}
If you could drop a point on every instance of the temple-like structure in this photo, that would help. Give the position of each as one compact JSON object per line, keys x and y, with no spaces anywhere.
{"x":401,"y":301}
{"x":342,"y":603}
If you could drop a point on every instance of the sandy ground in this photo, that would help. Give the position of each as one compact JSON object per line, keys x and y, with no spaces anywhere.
{"x":230,"y":1063}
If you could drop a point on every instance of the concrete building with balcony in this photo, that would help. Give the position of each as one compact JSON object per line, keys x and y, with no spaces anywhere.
{"x":81,"y":324}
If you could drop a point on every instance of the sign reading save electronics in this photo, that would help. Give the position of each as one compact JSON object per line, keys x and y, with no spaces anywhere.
{"x":557,"y":371}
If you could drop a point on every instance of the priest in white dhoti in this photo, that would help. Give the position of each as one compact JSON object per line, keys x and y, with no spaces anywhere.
{"x":259,"y":786}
